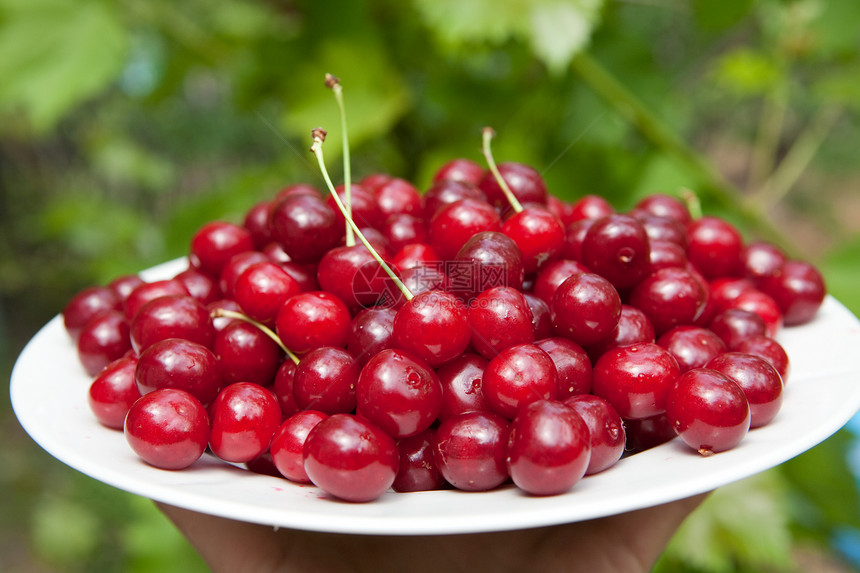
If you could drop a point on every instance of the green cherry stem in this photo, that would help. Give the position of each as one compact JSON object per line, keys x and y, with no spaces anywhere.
{"x":318,"y":137}
{"x":225,"y":313}
{"x":333,"y":83}
{"x":488,"y":154}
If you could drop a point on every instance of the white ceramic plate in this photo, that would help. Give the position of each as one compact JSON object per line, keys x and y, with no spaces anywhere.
{"x":49,"y":396}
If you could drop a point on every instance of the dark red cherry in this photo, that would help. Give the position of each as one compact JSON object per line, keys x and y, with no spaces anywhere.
{"x":214,"y":243}
{"x":325,"y":380}
{"x":553,"y":274}
{"x":538,"y":234}
{"x":283,"y":388}
{"x":769,"y":349}
{"x":714,"y":247}
{"x":524,"y":181}
{"x":667,"y":254}
{"x":761,"y":383}
{"x":246,"y":354}
{"x":574,"y":235}
{"x":633,"y":327}
{"x":350,"y":458}
{"x":174,"y":316}
{"x":799,"y":290}
{"x":590,"y":207}
{"x":182,"y":364}
{"x":371,"y":331}
{"x":518,"y":376}
{"x":763,"y":305}
{"x":305,"y":226}
{"x":262,"y":289}
{"x":723,"y":292}
{"x":447,"y":191}
{"x":399,"y":393}
{"x":606,"y":430}
{"x":434,"y":326}
{"x":150,"y":291}
{"x":572,"y":365}
{"x":470,"y":450}
{"x":297,"y":189}
{"x":353,"y":275}
{"x":85,"y":305}
{"x":457,"y":222}
{"x":663,"y":228}
{"x":648,"y":432}
{"x":201,"y":286}
{"x":288,"y":444}
{"x":635,"y":379}
{"x":403,"y":229}
{"x":398,"y":196}
{"x":760,"y":259}
{"x":663,"y":205}
{"x":461,"y":381}
{"x":235,"y":267}
{"x":309,"y":320}
{"x":585,"y":308}
{"x":168,"y":429}
{"x":734,"y":325}
{"x":617,"y":248}
{"x":708,"y":411}
{"x":541,"y":316}
{"x":256,"y":221}
{"x":500,"y":318}
{"x":113,"y":392}
{"x":304,"y":274}
{"x":244,"y":418}
{"x":460,"y":169}
{"x":103,"y":339}
{"x":670,"y":297}
{"x":549,"y":448}
{"x":488,"y":259}
{"x":692,"y":346}
{"x":417,"y":471}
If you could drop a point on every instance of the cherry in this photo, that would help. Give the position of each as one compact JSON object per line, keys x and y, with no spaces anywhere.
{"x":167,"y":428}
{"x":256,"y":221}
{"x":573,"y":367}
{"x":524,"y":181}
{"x":113,"y":392}
{"x":283,"y":388}
{"x":549,"y":448}
{"x":305,"y":226}
{"x":538,"y":234}
{"x":303,"y":274}
{"x":182,"y":364}
{"x":708,"y":411}
{"x":670,"y":297}
{"x":461,"y":381}
{"x":370,"y":331}
{"x":665,"y":254}
{"x":375,"y":180}
{"x":457,"y":222}
{"x":761,"y":383}
{"x":296,"y":189}
{"x":606,"y":429}
{"x":517,"y":376}
{"x":798,"y":288}
{"x":244,"y":418}
{"x":434,"y":326}
{"x":325,"y":380}
{"x":414,"y":255}
{"x":663,"y":205}
{"x":399,"y":393}
{"x":461,"y":170}
{"x":723,"y":292}
{"x":214,"y":243}
{"x":350,"y":458}
{"x":470,"y":450}
{"x":86,"y":304}
{"x":151,"y":291}
{"x":365,"y":210}
{"x":661,"y":228}
{"x":417,"y":471}
{"x":635,"y":379}
{"x":172,"y":316}
{"x":553,"y":274}
{"x":500,"y":318}
{"x":617,"y":248}
{"x":760,"y":259}
{"x":102,"y":340}
{"x":123,"y":285}
{"x":235,"y":267}
{"x":447,"y":191}
{"x":633,"y":327}
{"x":585,"y":308}
{"x":353,"y":275}
{"x":309,"y":320}
{"x":734,"y":325}
{"x":647,"y":433}
{"x":574,"y":235}
{"x":769,"y":349}
{"x":246,"y":354}
{"x":763,"y":305}
{"x":692,"y":346}
{"x":288,"y":443}
{"x":262,"y":289}
{"x":714,"y":247}
{"x":541,"y":316}
{"x":201,"y":286}
{"x":397,"y":196}
{"x":590,"y":207}
{"x":401,"y":229}
{"x":488,"y":259}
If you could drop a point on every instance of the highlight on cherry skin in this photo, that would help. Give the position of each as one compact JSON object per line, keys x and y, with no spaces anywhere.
{"x":490,"y":310}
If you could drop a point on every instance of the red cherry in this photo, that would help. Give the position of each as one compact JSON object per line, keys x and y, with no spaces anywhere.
{"x":365,"y":210}
{"x":434,"y":326}
{"x":182,"y":364}
{"x":150,"y":291}
{"x":283,"y":388}
{"x":538,"y":234}
{"x":305,"y":226}
{"x":734,"y":325}
{"x":760,"y":259}
{"x":102,"y":340}
{"x":246,"y":354}
{"x":461,"y":381}
{"x":633,"y":327}
{"x":354,"y":276}
{"x":173,"y":316}
{"x":799,"y":290}
{"x":85,"y":305}
{"x":648,"y":432}
{"x":470,"y":450}
{"x":371,"y":331}
{"x":215,"y":242}
{"x":663,"y":205}
{"x":114,"y":391}
{"x":326,"y":380}
{"x":262,"y":289}
{"x":398,"y":196}
{"x":524,"y":181}
{"x":761,"y":383}
{"x":714,"y":247}
{"x":309,"y":320}
{"x":500,"y":318}
{"x":585,"y":308}
{"x":288,"y":444}
{"x":572,"y":365}
{"x":350,"y":458}
{"x":518,"y":376}
{"x":457,"y":222}
{"x":708,"y":411}
{"x":417,"y":471}
{"x":256,"y":221}
{"x":447,"y":191}
{"x":606,"y":430}
{"x":235,"y":267}
{"x":590,"y":207}
{"x":670,"y":297}
{"x":549,"y":448}
{"x":769,"y":349}
{"x":244,"y":419}
{"x":617,"y":248}
{"x":201,"y":286}
{"x":541,"y":316}
{"x":168,"y":428}
{"x":462,"y":170}
{"x":692,"y":346}
{"x":488,"y":259}
{"x":553,"y":274}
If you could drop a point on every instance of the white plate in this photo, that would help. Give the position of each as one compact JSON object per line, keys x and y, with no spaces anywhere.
{"x":49,"y":396}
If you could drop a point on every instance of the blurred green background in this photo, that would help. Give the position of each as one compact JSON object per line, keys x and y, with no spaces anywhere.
{"x":125,"y":124}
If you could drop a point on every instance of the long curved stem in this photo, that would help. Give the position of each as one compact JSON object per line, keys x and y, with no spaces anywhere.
{"x":225,"y":313}
{"x":333,"y":83}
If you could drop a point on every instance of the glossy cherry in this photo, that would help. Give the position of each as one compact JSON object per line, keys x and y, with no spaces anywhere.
{"x":714,"y":247}
{"x":113,"y":392}
{"x":246,"y":354}
{"x":470,"y":450}
{"x":288,"y":444}
{"x":309,"y":320}
{"x":617,"y":248}
{"x":692,"y":346}
{"x":457,"y":222}
{"x":370,"y":331}
{"x":417,"y":471}
{"x":325,"y":380}
{"x":182,"y":364}
{"x":799,"y":290}
{"x":539,"y":235}
{"x":500,"y":318}
{"x":553,"y":274}
{"x":102,"y":340}
{"x":262,"y":289}
{"x":606,"y":430}
{"x":769,"y":349}
{"x":305,"y":226}
{"x":572,"y":364}
{"x":517,"y":376}
{"x":460,"y":169}
{"x":585,"y":308}
{"x":434,"y":326}
{"x":524,"y":181}
{"x":488,"y":259}
{"x":670,"y":297}
{"x":215,"y":242}
{"x":244,"y":418}
{"x":175,"y":316}
{"x":761,"y":383}
{"x":461,"y":381}
{"x":86,"y":304}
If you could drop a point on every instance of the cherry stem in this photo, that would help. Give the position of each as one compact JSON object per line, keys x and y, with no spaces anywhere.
{"x":333,"y":83}
{"x":225,"y":313}
{"x":694,"y":204}
{"x":319,"y":136}
{"x":488,"y":154}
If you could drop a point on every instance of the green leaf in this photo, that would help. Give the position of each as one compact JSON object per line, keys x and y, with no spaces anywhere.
{"x":747,"y":72}
{"x":561,"y":29}
{"x":55,"y":55}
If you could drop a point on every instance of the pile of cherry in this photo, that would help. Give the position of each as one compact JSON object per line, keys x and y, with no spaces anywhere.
{"x":533,"y":340}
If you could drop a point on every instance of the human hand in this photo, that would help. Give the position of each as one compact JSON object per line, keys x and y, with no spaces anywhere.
{"x":629,"y":543}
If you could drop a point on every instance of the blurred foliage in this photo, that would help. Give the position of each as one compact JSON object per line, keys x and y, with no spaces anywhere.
{"x":126,"y":124}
